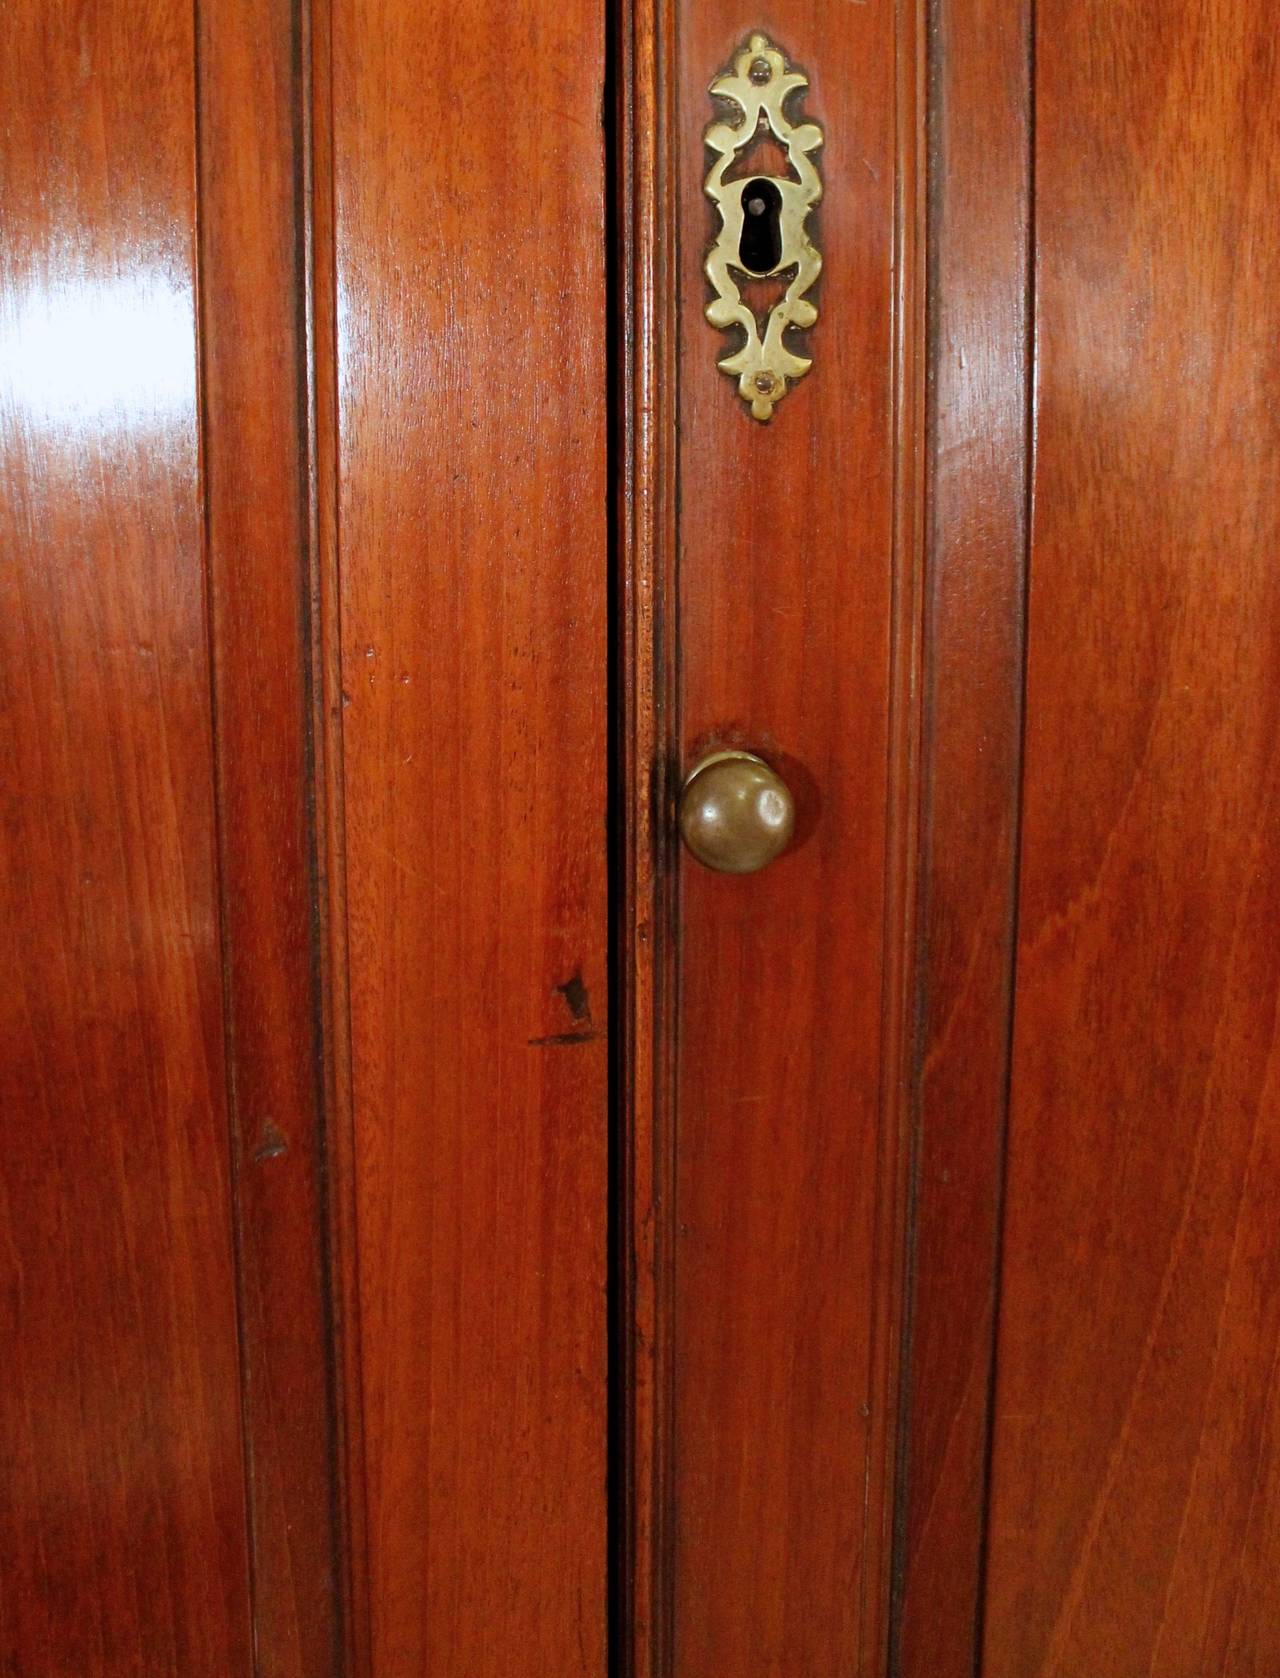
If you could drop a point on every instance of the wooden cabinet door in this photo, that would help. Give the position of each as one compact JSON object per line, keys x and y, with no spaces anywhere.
{"x":984,"y":1060}
{"x":468,"y":556}
{"x":303,"y":512}
{"x":449,"y":1228}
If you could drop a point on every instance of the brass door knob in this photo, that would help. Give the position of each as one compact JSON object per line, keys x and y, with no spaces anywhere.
{"x":735,"y":813}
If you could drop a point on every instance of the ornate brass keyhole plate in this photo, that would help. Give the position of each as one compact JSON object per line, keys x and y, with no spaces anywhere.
{"x":762,"y":223}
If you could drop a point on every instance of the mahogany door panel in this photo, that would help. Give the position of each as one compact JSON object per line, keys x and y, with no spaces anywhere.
{"x":470,"y":556}
{"x":1136,"y":1465}
{"x":123,"y":1506}
{"x":170,"y":1498}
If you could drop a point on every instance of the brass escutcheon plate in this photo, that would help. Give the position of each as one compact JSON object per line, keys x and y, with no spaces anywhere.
{"x":760,"y":85}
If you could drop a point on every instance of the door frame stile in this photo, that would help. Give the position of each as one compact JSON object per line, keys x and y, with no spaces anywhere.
{"x":647,"y":765}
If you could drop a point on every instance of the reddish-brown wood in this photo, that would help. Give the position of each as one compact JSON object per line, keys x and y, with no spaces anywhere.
{"x":401,"y":447}
{"x":1136,"y":1469}
{"x":254,"y":400}
{"x":122,"y":1514}
{"x":468,"y":173}
{"x":979,"y":160}
{"x":788,"y":544}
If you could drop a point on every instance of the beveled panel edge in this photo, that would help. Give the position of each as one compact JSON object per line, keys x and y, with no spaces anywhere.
{"x":645,"y":778}
{"x":977,"y":487}
{"x":257,"y":468}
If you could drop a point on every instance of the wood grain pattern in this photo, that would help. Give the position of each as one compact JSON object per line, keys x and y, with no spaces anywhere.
{"x":472,"y":334}
{"x":255,"y":383}
{"x":979,"y":277}
{"x":787,"y":546}
{"x":1136,"y":1465}
{"x":122,"y":1518}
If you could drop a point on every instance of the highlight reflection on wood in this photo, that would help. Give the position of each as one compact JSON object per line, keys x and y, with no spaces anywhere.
{"x":122,"y":1512}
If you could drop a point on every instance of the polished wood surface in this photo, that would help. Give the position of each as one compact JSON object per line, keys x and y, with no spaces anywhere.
{"x":979,"y":152}
{"x":255,"y":385}
{"x":468,"y":184}
{"x":122,"y":1511}
{"x":1136,"y":1468}
{"x":306,"y":480}
{"x":785,"y":634}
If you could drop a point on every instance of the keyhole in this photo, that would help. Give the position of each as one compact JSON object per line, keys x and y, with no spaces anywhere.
{"x":760,"y":247}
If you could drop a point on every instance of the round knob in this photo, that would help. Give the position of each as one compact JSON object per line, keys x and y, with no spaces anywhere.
{"x":735,"y":813}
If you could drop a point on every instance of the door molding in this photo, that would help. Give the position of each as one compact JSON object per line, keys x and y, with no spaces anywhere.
{"x":259,"y":465}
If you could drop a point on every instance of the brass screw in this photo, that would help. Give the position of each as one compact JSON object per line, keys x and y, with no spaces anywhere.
{"x":761,"y":71}
{"x":764,"y":383}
